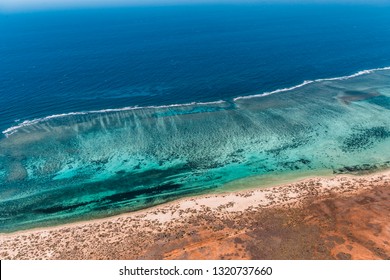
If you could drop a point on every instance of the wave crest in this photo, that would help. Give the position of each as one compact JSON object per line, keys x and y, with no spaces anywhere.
{"x":14,"y":129}
{"x":357,"y":74}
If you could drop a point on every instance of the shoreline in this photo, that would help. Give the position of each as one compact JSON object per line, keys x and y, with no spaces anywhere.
{"x":228,"y":189}
{"x":223,"y":191}
{"x":165,"y":217}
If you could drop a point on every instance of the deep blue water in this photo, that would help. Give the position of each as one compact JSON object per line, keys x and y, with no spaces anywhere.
{"x":76,"y":60}
{"x":86,"y":165}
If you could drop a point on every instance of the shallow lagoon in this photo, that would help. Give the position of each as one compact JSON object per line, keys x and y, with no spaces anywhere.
{"x":95,"y":164}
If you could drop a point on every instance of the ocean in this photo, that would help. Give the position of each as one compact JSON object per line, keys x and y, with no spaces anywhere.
{"x":105,"y":111}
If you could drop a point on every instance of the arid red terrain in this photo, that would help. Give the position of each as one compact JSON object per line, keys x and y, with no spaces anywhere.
{"x":355,"y":227}
{"x":343,"y":217}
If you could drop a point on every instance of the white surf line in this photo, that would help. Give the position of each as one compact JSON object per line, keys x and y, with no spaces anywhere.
{"x":13,"y":129}
{"x":360,"y":73}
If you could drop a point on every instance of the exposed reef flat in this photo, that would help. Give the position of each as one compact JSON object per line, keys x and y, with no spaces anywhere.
{"x":341,"y":217}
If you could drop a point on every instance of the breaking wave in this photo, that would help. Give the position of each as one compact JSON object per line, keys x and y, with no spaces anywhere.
{"x":357,"y":74}
{"x":13,"y":129}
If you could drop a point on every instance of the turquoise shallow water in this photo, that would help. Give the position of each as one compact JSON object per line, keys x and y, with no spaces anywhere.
{"x":87,"y":165}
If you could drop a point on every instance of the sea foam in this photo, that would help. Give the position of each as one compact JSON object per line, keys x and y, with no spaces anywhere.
{"x":9,"y":131}
{"x":13,"y":129}
{"x":92,"y":166}
{"x":357,"y":74}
